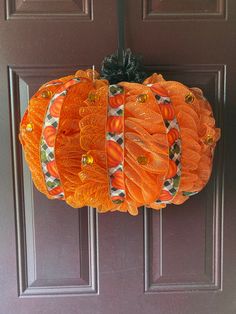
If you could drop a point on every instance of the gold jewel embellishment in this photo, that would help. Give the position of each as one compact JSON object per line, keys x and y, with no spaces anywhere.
{"x":87,"y":160}
{"x":142,"y":160}
{"x":142,"y":98}
{"x":29,"y":127}
{"x":46,"y":94}
{"x":209,"y":140}
{"x":189,"y":98}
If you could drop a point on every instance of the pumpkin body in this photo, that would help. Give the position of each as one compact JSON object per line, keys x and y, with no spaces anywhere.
{"x":121,"y":146}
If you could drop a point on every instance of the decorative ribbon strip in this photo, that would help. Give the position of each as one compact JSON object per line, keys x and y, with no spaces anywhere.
{"x":48,"y":138}
{"x":172,"y":181}
{"x":115,"y":143}
{"x":51,"y":83}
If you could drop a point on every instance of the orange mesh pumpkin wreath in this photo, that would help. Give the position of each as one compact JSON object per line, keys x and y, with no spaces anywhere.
{"x":120,"y":146}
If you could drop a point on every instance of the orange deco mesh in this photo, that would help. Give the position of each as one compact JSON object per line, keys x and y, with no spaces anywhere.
{"x":118,"y":147}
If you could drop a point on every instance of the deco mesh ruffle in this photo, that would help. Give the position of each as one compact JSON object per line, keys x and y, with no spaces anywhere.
{"x":120,"y":146}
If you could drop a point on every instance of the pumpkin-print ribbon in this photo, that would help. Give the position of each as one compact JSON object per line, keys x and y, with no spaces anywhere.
{"x":172,"y":180}
{"x":48,"y":138}
{"x":115,"y":143}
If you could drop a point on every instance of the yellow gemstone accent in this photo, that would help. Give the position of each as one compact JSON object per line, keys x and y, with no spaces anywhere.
{"x":142,"y":160}
{"x":142,"y":98}
{"x":87,"y":160}
{"x":209,"y":140}
{"x":118,"y":201}
{"x":189,"y":98}
{"x":29,"y":127}
{"x":46,"y":94}
{"x":92,"y":97}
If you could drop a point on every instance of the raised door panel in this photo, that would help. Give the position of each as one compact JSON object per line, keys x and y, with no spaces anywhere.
{"x":56,"y":244}
{"x":184,"y":9}
{"x":183,"y":245}
{"x":79,"y":9}
{"x":179,"y":32}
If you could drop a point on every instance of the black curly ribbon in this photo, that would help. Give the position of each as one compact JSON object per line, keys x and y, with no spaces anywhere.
{"x":122,"y":65}
{"x":129,"y":70}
